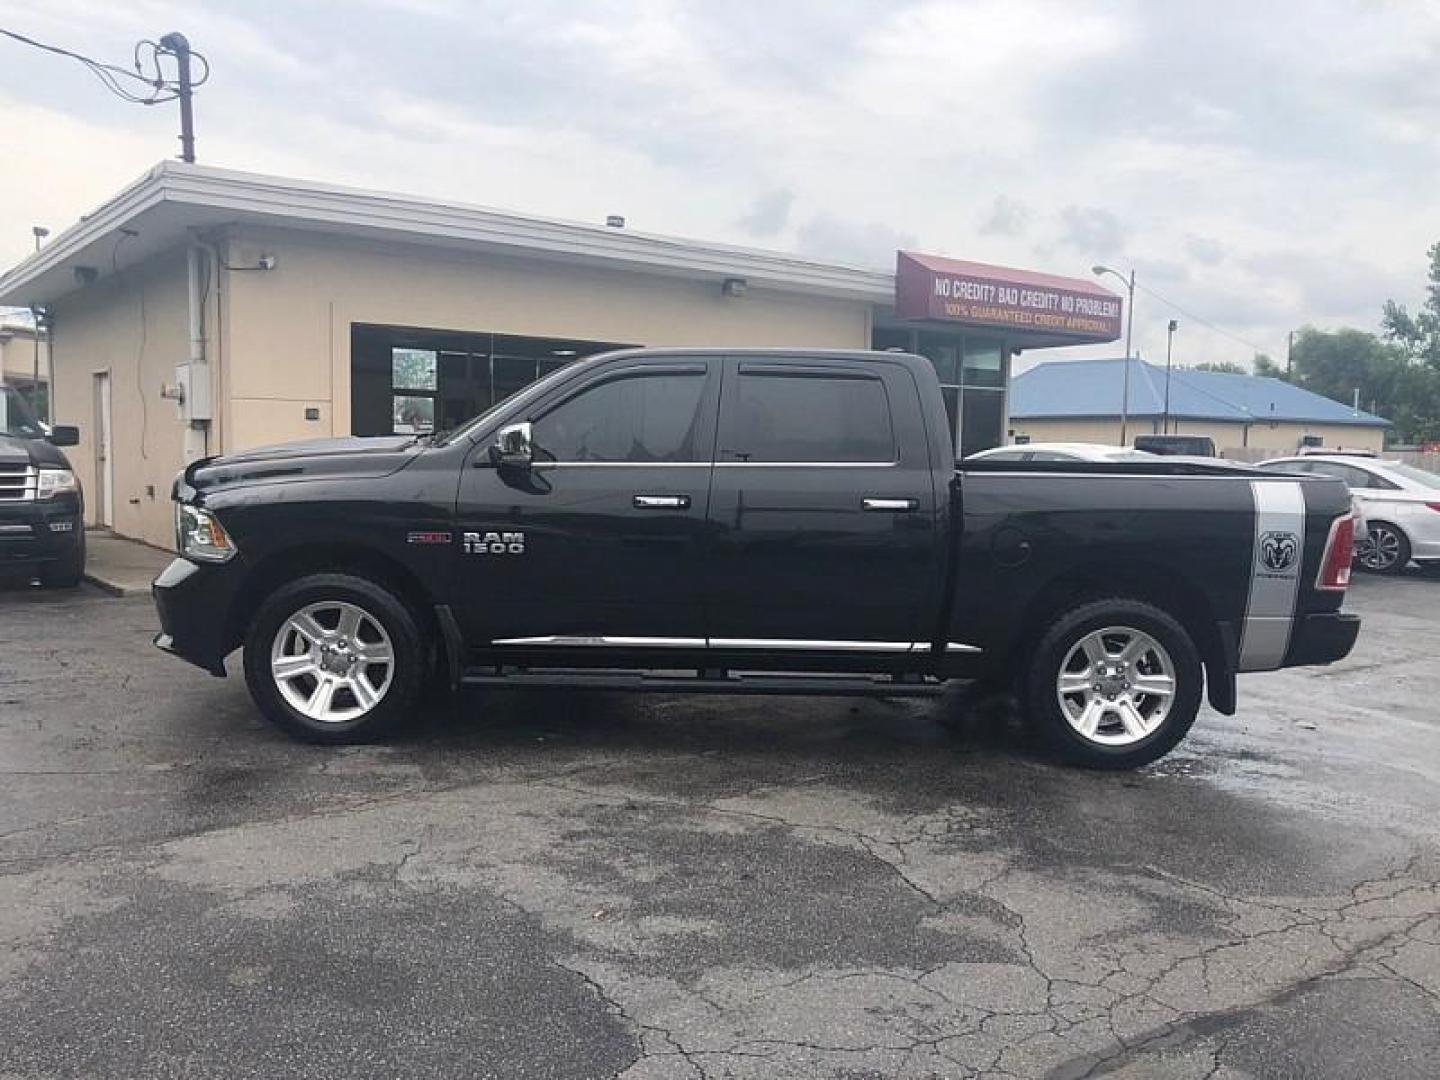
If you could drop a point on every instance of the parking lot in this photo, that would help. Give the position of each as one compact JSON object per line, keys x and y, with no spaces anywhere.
{"x":588,"y":885}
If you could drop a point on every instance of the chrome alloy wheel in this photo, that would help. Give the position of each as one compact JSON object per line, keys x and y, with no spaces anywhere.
{"x":1380,"y":549}
{"x":1116,"y":686}
{"x":332,"y":661}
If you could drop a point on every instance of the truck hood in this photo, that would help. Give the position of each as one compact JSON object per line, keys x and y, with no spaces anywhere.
{"x":353,"y":458}
{"x":17,"y":451}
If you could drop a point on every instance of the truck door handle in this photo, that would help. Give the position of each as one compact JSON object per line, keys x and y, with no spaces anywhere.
{"x":662,"y":502}
{"x":893,"y":506}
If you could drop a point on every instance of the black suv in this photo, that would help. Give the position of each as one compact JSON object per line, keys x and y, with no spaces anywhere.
{"x":42,"y":511}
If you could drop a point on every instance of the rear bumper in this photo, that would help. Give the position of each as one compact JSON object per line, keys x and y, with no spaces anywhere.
{"x":1322,"y":639}
{"x":193,"y":603}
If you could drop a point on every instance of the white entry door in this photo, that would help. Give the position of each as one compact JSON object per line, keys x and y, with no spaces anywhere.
{"x":104,"y":492}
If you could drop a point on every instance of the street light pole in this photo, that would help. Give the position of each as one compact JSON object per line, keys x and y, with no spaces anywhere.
{"x":1169,"y":345}
{"x":1099,"y":271}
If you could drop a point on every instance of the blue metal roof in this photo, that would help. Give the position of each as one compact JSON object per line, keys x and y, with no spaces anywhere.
{"x":1092,"y":388}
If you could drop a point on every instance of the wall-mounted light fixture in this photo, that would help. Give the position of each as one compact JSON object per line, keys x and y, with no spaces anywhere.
{"x":734,"y":286}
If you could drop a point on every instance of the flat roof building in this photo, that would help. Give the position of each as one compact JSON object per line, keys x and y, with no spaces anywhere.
{"x":1078,"y":401}
{"x":202,"y":311}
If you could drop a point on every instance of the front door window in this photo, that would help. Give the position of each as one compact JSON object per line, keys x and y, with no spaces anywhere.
{"x":630,"y":419}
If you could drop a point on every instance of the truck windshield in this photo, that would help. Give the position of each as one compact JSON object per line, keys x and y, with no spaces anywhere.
{"x":16,"y":417}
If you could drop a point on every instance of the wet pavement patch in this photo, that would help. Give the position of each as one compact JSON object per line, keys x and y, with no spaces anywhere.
{"x":554,"y":885}
{"x":316,"y":989}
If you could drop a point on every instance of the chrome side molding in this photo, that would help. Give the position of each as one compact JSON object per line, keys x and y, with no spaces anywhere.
{"x":605,"y":641}
{"x":778,"y":644}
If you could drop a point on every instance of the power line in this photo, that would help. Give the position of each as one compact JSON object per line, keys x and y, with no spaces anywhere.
{"x":1203,"y":322}
{"x":159,"y":89}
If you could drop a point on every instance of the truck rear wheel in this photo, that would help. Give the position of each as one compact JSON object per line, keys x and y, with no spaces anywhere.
{"x":334,"y":658}
{"x":1113,"y":684}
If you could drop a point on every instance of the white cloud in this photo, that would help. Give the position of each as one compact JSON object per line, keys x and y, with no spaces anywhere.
{"x":1250,"y":169}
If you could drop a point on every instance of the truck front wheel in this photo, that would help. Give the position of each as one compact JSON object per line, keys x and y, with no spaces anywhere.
{"x":334,"y":658}
{"x":1113,"y":684}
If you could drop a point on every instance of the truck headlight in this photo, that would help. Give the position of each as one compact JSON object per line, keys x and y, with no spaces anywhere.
{"x":199,"y":535}
{"x":52,"y":482}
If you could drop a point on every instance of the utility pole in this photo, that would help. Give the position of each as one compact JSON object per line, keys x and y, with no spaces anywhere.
{"x":37,"y":319}
{"x":178,"y":44}
{"x":126,"y":84}
{"x":1100,"y":271}
{"x":1289,"y":354}
{"x":1169,"y":344}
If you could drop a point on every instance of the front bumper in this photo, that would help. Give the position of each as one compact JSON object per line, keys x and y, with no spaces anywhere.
{"x":194,"y":603}
{"x":34,"y":534}
{"x":1322,"y":639}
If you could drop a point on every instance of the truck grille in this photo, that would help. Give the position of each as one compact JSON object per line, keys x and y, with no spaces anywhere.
{"x":17,"y":483}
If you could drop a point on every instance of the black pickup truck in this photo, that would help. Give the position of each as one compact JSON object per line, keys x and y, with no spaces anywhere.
{"x":755,"y":521}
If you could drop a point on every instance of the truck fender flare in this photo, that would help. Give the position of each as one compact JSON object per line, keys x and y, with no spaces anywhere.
{"x":452,"y":642}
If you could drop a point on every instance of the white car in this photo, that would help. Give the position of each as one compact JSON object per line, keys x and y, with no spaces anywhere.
{"x":1399,"y":503}
{"x":1061,"y":451}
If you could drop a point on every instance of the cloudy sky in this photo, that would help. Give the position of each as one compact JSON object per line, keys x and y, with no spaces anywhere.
{"x":1262,"y":164}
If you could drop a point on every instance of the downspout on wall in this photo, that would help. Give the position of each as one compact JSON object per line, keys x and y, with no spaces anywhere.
{"x":196,"y":409}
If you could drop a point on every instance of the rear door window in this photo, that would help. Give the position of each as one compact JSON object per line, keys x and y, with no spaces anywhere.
{"x":1353,"y":477}
{"x":777,"y":416}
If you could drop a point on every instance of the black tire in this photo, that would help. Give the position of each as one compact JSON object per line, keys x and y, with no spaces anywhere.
{"x":409,"y":648}
{"x":1040,"y":697}
{"x":1379,"y":533}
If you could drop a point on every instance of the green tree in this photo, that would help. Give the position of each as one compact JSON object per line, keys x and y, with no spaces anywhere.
{"x":1267,"y":368}
{"x":1337,"y":363}
{"x":1226,"y":367}
{"x":1418,"y":334}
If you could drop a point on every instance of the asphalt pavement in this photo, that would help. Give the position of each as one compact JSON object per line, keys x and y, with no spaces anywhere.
{"x":552,"y":884}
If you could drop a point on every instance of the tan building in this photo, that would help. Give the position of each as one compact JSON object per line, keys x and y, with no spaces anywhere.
{"x":1078,"y":401}
{"x":25,"y":360}
{"x":202,"y":311}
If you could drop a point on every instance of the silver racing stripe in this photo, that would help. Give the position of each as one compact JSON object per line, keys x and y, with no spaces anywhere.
{"x":1275,"y":566}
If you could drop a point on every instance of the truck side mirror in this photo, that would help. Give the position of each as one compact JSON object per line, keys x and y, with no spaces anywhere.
{"x":513,"y":447}
{"x":64,"y":435}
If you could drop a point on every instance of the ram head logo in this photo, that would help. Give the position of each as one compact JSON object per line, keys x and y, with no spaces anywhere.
{"x":1278,"y":551}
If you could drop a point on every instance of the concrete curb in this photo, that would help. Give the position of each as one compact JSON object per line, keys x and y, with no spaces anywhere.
{"x":114,"y":588}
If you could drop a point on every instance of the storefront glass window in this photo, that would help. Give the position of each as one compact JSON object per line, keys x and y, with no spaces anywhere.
{"x":943,"y":350}
{"x":409,"y":380}
{"x":981,"y":420}
{"x":983,"y":363}
{"x":413,"y":369}
{"x":512,"y":373}
{"x":413,"y":415}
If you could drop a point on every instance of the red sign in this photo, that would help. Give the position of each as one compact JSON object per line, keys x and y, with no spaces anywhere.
{"x":931,"y":287}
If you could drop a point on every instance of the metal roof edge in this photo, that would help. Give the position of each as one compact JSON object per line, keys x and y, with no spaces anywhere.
{"x":309,"y":204}
{"x":139,"y":195}
{"x":1202,"y":418}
